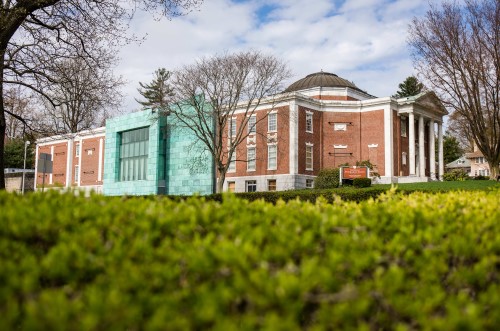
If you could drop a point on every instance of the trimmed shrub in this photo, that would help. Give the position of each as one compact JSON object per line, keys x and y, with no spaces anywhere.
{"x":327,"y":178}
{"x":480,"y":177}
{"x":417,"y":262}
{"x":362,"y":182}
{"x":455,"y":175}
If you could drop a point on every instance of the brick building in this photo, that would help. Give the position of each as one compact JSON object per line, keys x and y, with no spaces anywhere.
{"x":323,"y":121}
{"x":78,"y":160}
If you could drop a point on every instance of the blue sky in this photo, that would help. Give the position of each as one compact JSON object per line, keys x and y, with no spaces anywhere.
{"x":363,"y":41}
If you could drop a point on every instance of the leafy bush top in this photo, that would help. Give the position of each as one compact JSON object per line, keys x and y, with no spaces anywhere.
{"x":423,"y":261}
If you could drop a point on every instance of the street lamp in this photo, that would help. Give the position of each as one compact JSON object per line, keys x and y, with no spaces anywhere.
{"x":26,"y":143}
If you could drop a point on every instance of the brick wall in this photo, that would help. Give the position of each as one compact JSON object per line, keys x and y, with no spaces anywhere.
{"x":260,"y":139}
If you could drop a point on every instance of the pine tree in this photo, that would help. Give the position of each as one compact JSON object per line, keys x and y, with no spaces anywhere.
{"x":410,"y":87}
{"x":157,"y":93}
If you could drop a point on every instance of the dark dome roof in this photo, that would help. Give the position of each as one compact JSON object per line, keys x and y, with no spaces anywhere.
{"x":323,"y":79}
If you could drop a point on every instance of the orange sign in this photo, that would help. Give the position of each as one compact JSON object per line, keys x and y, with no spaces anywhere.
{"x":357,"y":172}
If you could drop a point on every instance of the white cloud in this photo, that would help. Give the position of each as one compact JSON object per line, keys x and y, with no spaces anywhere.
{"x":360,"y":40}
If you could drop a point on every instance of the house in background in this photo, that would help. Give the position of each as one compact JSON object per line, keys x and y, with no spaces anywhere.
{"x":324,"y":121}
{"x":479,"y":165}
{"x":461,"y":163}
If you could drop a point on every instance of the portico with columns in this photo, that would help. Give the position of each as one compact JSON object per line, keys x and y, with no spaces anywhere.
{"x":424,"y":116}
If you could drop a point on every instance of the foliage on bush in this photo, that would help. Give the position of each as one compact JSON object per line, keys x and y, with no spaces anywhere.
{"x":480,"y":177}
{"x":369,"y":165}
{"x":362,"y":182}
{"x":327,"y":178}
{"x":423,"y":261}
{"x":455,"y":175}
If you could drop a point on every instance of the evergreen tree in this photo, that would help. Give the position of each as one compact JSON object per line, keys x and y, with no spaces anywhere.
{"x":157,"y":93}
{"x":14,"y":154}
{"x":451,"y":149}
{"x":410,"y":87}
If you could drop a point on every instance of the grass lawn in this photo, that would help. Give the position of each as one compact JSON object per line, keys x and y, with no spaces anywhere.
{"x":446,"y":186}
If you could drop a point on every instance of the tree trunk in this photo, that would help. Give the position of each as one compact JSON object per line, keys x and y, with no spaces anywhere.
{"x":494,"y":170}
{"x":220,"y":181}
{"x":3,"y":125}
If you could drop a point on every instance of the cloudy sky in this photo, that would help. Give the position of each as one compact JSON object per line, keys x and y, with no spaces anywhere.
{"x":363,"y":41}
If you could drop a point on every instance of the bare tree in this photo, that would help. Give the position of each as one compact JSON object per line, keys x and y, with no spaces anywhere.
{"x":209,"y":93}
{"x":17,"y":105}
{"x":33,"y":33}
{"x":83,"y":95}
{"x":456,"y":48}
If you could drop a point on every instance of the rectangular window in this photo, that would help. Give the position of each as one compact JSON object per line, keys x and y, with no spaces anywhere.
{"x":309,"y":122}
{"x":232,"y":163}
{"x":251,"y":159}
{"x":251,"y":124}
{"x":77,"y":150}
{"x":271,"y":185}
{"x":403,"y":126}
{"x":77,"y":173}
{"x":403,"y":158}
{"x":272,"y":122}
{"x":271,"y":157}
{"x":480,"y":160}
{"x":309,"y":183}
{"x":134,"y":154}
{"x":230,"y":186}
{"x":309,"y":157}
{"x":251,"y":186}
{"x":340,"y":127}
{"x":232,"y":128}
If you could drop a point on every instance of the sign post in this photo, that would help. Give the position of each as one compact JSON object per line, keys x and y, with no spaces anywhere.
{"x":44,"y":166}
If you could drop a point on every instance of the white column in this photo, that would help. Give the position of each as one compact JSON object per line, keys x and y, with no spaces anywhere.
{"x":99,"y":167}
{"x":440,"y":151}
{"x":421,"y":146}
{"x":80,"y":162}
{"x":388,"y":140}
{"x":52,"y":157}
{"x":69,"y":163}
{"x":294,"y":138}
{"x":411,"y":142}
{"x":432,"y":150}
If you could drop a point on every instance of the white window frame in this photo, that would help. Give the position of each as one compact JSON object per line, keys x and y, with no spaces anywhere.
{"x":77,"y":173}
{"x":250,"y":182}
{"x":232,"y":128}
{"x":340,"y":127}
{"x":252,"y":124}
{"x":309,"y":122}
{"x":270,"y":165}
{"x":403,"y":127}
{"x":229,"y":186}
{"x":309,"y":147}
{"x":272,"y":122}
{"x":232,"y":163}
{"x":77,"y":149}
{"x":403,"y":158}
{"x":251,"y":159}
{"x":311,"y":182}
{"x":275,"y":184}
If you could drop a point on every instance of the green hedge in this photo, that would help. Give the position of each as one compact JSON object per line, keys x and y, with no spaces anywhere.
{"x":423,"y":261}
{"x":362,"y":182}
{"x":327,"y":179}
